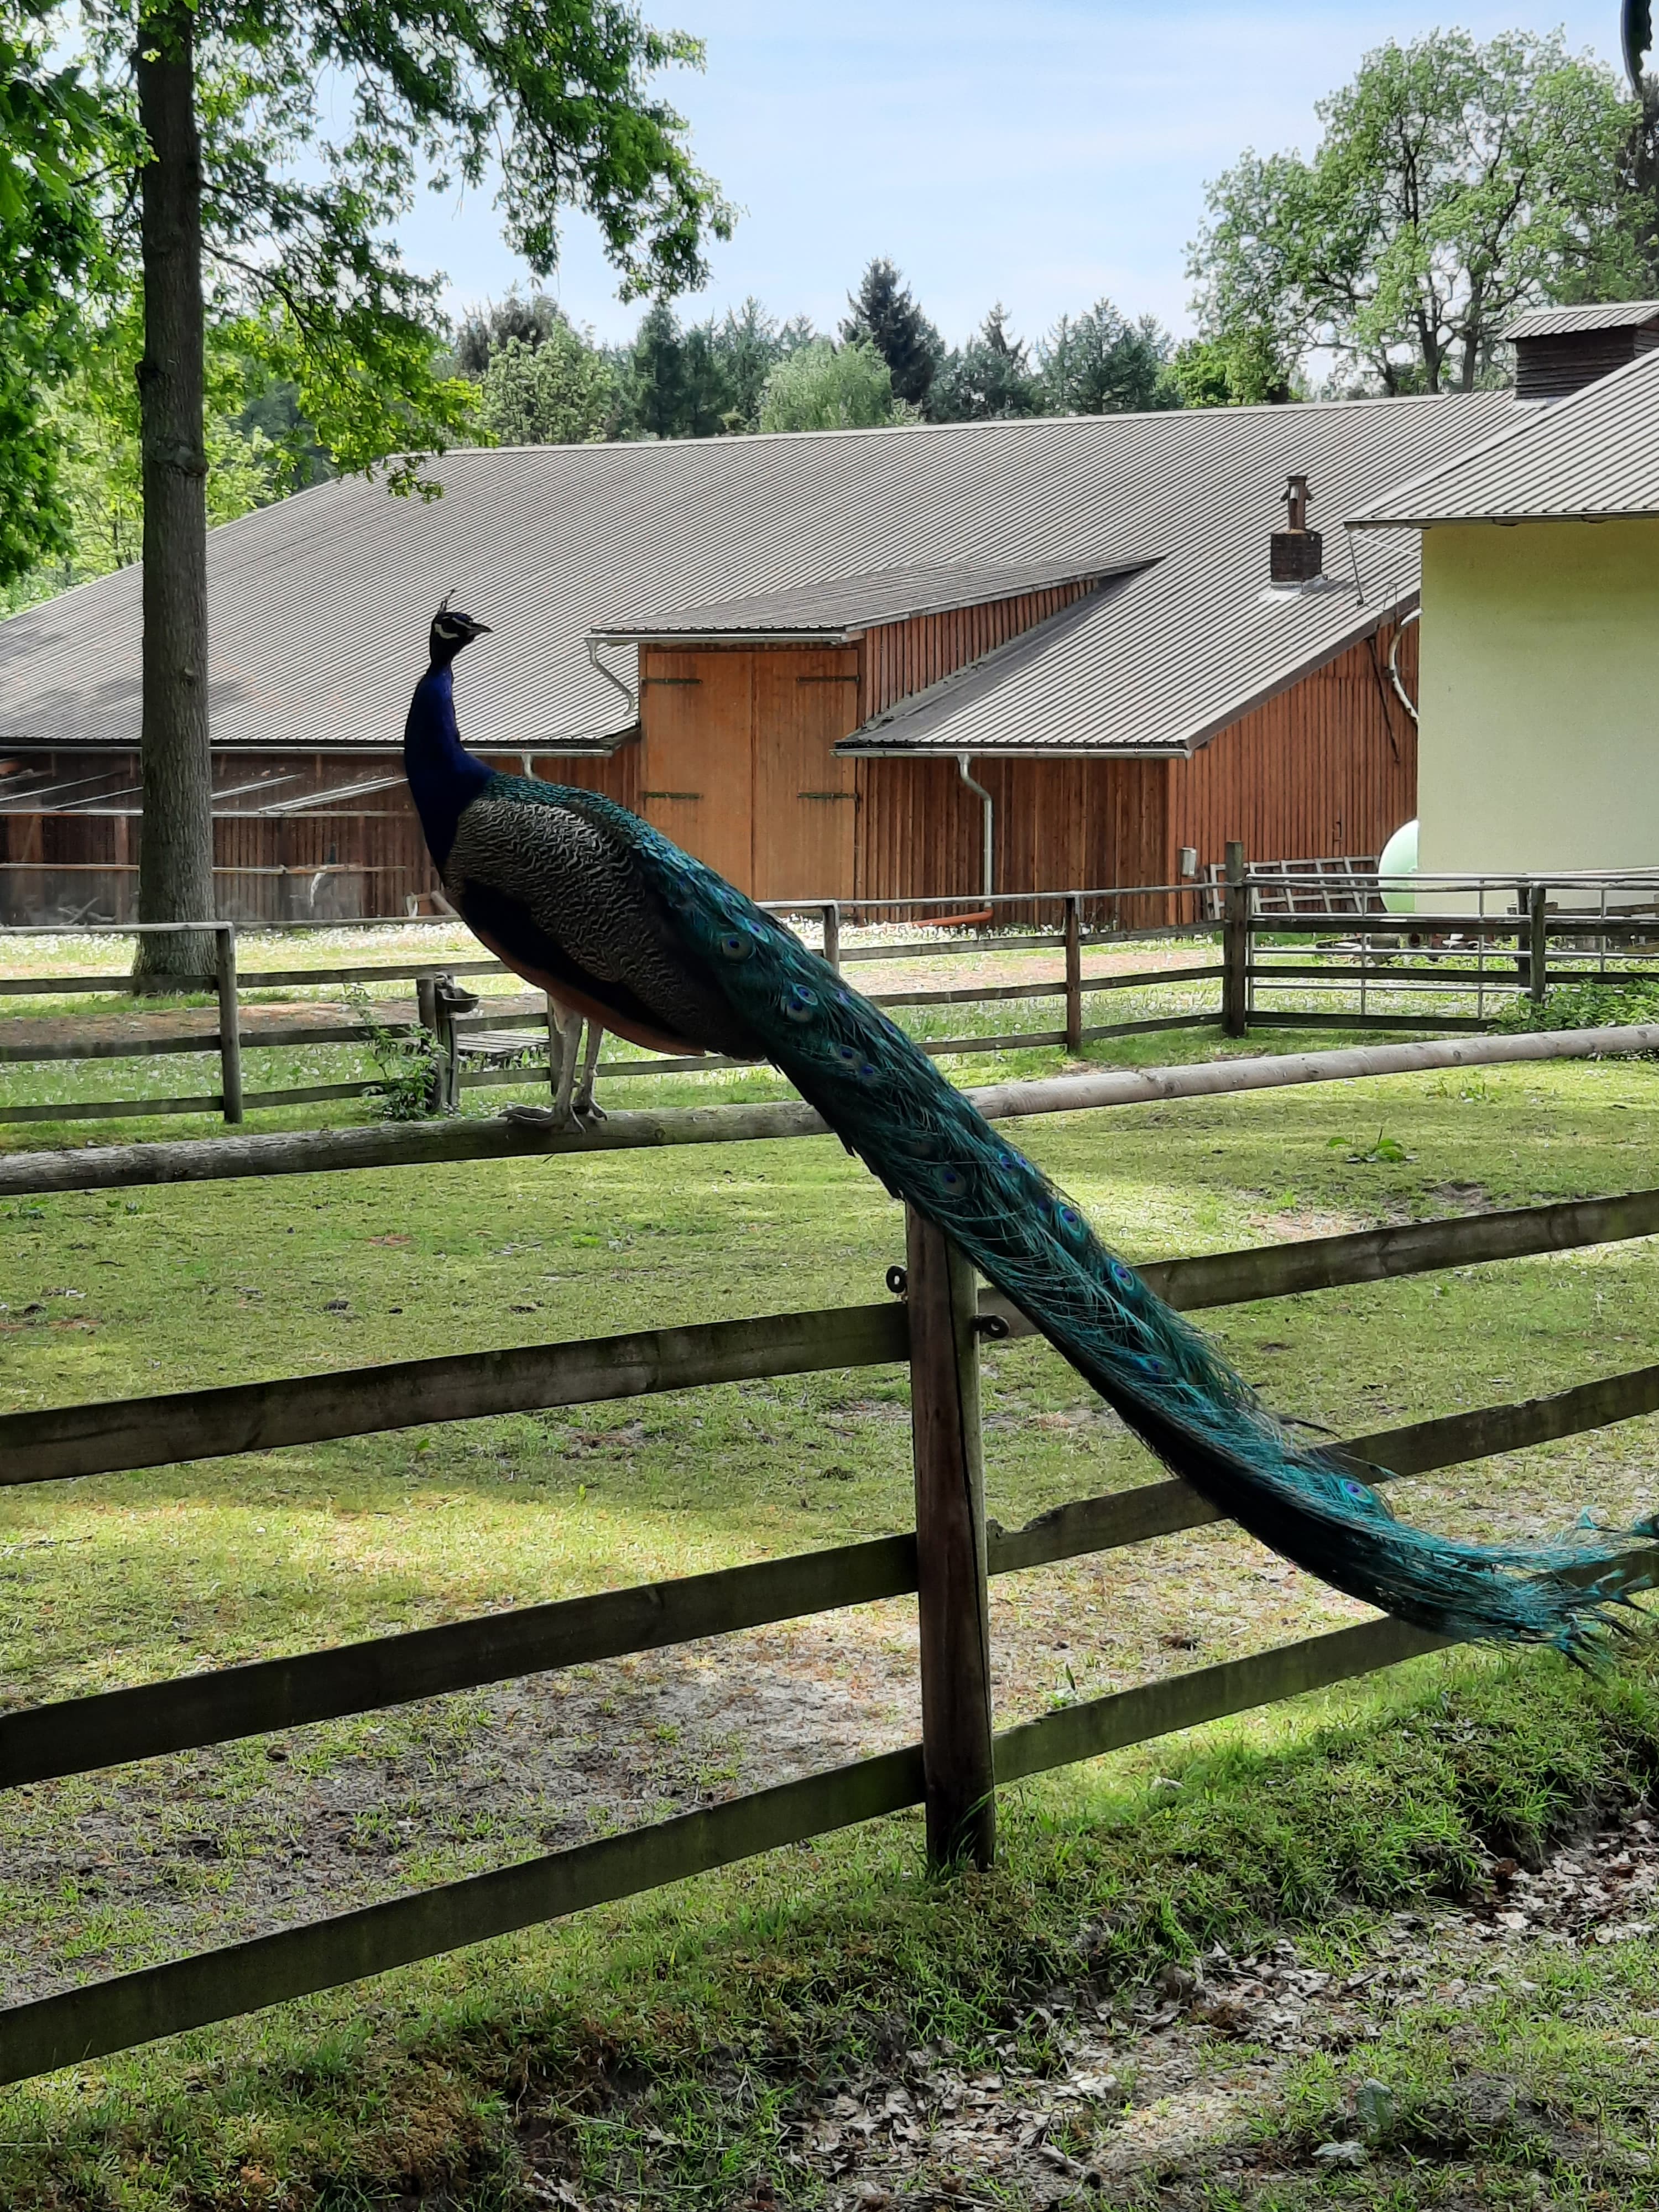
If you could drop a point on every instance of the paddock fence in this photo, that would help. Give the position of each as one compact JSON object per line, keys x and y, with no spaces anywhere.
{"x":1300,"y":945}
{"x":936,"y":1321}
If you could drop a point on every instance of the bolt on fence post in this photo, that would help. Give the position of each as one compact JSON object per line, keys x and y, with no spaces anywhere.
{"x":1074,"y":974}
{"x":832,"y":933}
{"x":1236,"y":945}
{"x":1538,"y":942}
{"x":230,"y":1022}
{"x":952,"y":1603}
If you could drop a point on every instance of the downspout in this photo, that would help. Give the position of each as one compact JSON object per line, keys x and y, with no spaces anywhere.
{"x":612,"y":678}
{"x":1415,"y":615}
{"x":988,"y":805}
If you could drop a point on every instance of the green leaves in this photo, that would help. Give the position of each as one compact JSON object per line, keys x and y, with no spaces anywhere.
{"x":1455,"y":184}
{"x":52,"y":137}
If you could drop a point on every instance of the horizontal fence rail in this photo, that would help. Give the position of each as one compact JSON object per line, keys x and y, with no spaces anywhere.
{"x":310,"y":1152}
{"x":55,"y":1443}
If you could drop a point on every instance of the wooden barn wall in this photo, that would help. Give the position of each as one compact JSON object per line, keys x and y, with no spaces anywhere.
{"x":902,"y":657}
{"x":1059,"y":825}
{"x":365,"y":857}
{"x":1329,"y":767}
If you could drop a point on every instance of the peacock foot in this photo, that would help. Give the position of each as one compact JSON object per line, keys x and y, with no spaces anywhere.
{"x":587,"y":1113}
{"x":541,"y":1117}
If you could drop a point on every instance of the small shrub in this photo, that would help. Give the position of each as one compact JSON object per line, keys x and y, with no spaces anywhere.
{"x":1586,"y":1005}
{"x":408,"y":1062}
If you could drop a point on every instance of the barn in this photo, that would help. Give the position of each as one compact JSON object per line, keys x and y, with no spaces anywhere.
{"x":1071,"y":653}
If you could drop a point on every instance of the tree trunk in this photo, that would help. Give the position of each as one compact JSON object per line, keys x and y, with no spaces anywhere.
{"x":175,"y":878}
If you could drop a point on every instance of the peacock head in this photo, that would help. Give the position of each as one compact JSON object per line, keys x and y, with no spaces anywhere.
{"x":451,"y":630}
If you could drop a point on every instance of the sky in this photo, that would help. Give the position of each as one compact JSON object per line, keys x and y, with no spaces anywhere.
{"x":1043,"y":153}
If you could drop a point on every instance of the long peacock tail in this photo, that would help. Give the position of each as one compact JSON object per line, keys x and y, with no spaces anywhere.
{"x":889,"y":1104}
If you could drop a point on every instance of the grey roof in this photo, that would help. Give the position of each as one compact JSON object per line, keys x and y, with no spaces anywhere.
{"x":1592,"y":455}
{"x":1565,"y":322}
{"x":319,"y":604}
{"x":845,"y":606}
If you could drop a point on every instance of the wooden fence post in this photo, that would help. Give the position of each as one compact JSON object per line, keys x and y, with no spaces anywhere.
{"x":1074,"y":974}
{"x":1235,"y":946}
{"x":1538,"y":944}
{"x":230,"y":1022}
{"x":832,"y":933}
{"x":951,"y":1600}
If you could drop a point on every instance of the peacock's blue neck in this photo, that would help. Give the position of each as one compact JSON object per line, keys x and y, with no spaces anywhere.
{"x":443,"y":776}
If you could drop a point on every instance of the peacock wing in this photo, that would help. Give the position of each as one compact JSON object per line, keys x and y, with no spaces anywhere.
{"x":564,"y":900}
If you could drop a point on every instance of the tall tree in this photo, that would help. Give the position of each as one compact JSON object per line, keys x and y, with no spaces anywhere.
{"x":883,"y":314}
{"x":54,"y":140}
{"x":826,"y":387}
{"x":674,"y":381}
{"x":1100,"y":364}
{"x":560,"y":393}
{"x":991,"y":379}
{"x":249,"y":195}
{"x":750,"y":344}
{"x":1455,"y":184}
{"x":484,"y":331}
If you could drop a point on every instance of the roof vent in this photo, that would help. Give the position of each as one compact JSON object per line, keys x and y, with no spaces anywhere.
{"x":1296,"y":554}
{"x":1560,"y":349}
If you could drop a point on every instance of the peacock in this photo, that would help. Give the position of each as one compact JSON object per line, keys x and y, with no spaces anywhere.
{"x":624,"y":930}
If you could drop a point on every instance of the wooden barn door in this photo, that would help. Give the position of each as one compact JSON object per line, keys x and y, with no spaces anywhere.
{"x":806,"y":798}
{"x":697,"y":716}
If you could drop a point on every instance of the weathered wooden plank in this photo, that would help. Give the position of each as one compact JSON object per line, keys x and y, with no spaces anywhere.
{"x":953,"y":1610}
{"x":40,"y":1742}
{"x":1161,"y":1509}
{"x":105,"y":1437}
{"x":116,"y":1109}
{"x":1208,"y":1693}
{"x":1411,"y":1248}
{"x":47,"y":1445}
{"x":1148,"y":1028}
{"x":307,"y":1151}
{"x":1271,"y":1017}
{"x":88,"y":2023}
{"x":1147,"y":979}
{"x":82,"y":1734}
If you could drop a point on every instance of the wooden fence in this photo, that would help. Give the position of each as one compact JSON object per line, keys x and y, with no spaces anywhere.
{"x":937,"y":1325}
{"x":466,"y":1041}
{"x":1488,"y":959}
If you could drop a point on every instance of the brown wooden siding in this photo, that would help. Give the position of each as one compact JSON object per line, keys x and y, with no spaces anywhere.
{"x":362,"y":856}
{"x":1059,"y":825}
{"x":900,"y":658}
{"x":1326,"y":767}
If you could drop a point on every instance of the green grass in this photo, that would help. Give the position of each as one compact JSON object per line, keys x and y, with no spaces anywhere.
{"x":660,"y":2042}
{"x":717,"y":1999}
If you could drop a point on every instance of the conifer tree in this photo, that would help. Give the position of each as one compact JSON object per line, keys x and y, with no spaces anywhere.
{"x":883,"y":315}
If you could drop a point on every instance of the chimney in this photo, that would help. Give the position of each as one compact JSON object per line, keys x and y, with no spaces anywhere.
{"x":1558,"y":350}
{"x":1295,"y":554}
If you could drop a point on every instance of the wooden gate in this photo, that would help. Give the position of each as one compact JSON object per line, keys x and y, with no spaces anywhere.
{"x":697,"y":716}
{"x":805,"y":797}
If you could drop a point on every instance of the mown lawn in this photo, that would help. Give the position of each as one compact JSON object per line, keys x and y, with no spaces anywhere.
{"x":722,"y":1996}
